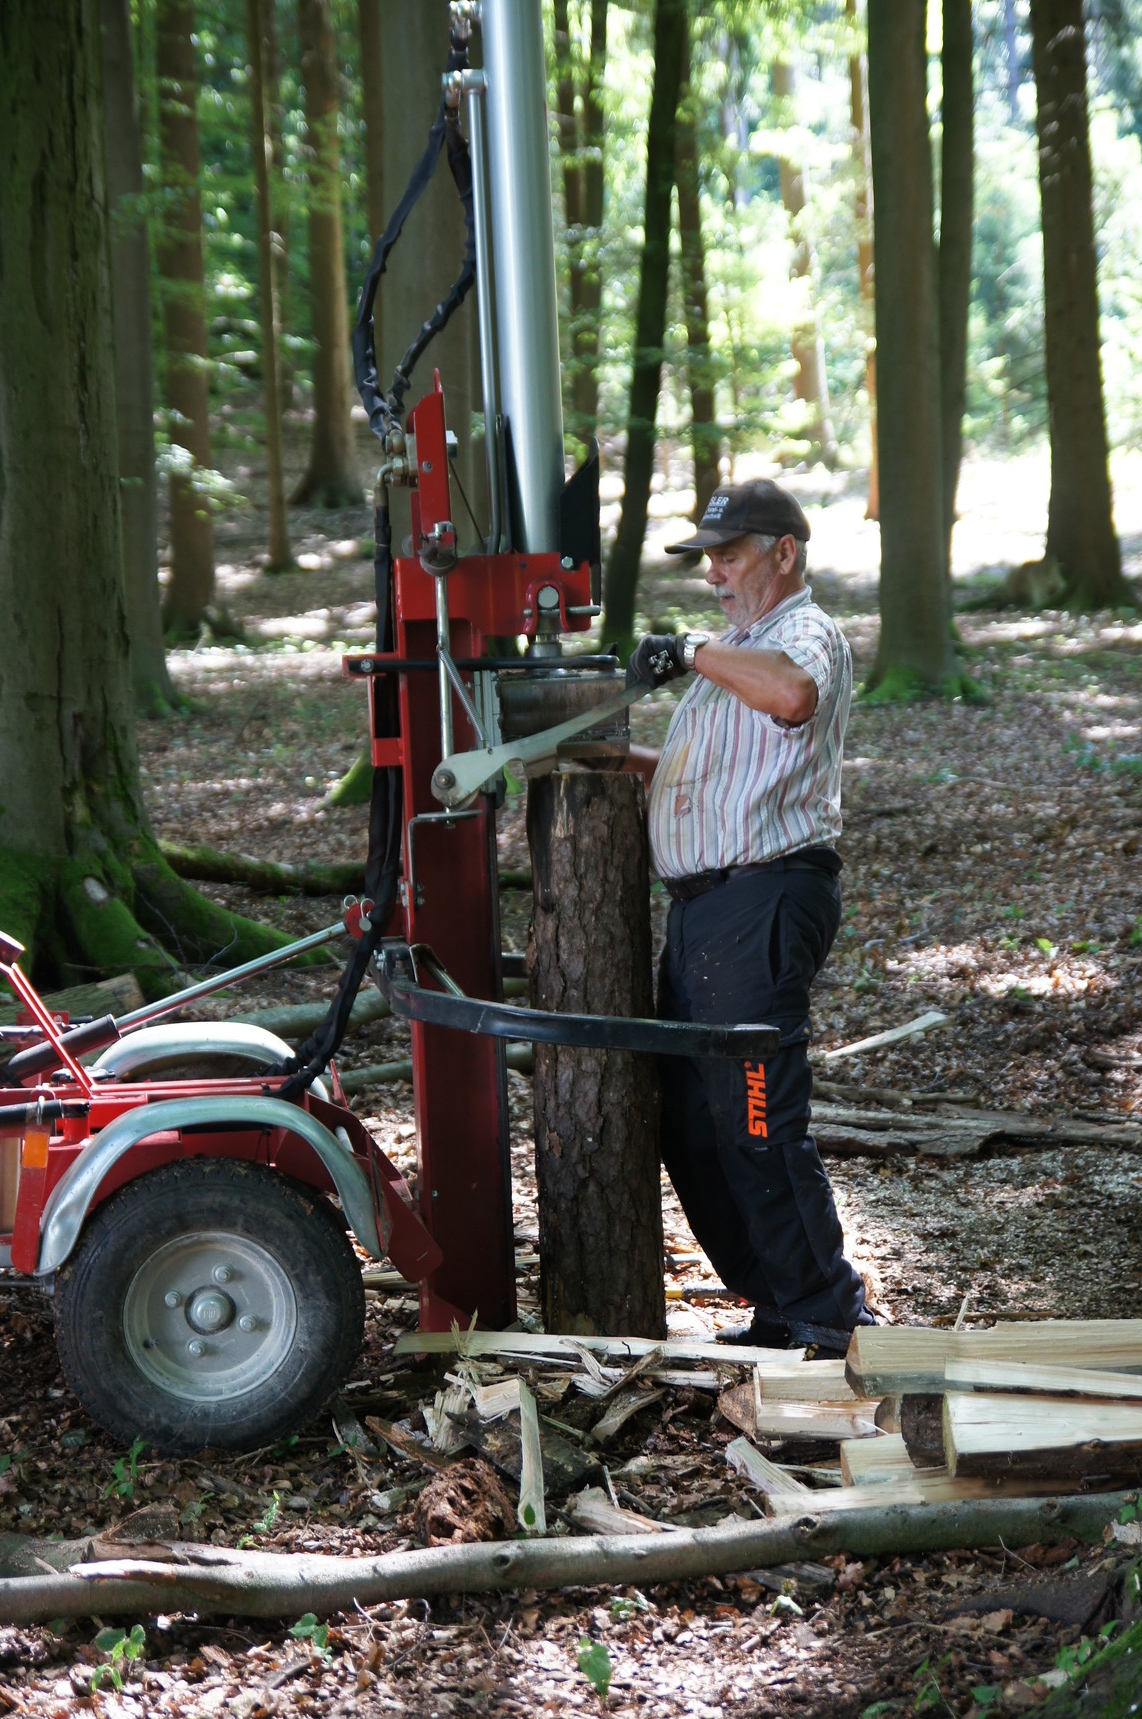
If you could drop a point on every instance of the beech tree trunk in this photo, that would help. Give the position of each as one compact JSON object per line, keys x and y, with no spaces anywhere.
{"x":915,"y":652}
{"x":191,"y":588}
{"x":705,"y":440}
{"x":331,"y":477}
{"x":261,"y":144}
{"x":273,"y":84}
{"x":134,"y":378}
{"x":596,"y":1112}
{"x":862,"y":163}
{"x":82,"y":883}
{"x":956,"y":173}
{"x":1080,"y":527}
{"x":372,"y":80}
{"x":581,"y":150}
{"x":810,"y":382}
{"x":670,"y":36}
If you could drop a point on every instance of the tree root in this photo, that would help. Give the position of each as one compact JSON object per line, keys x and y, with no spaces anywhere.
{"x":208,"y":865}
{"x":899,"y":684}
{"x":96,"y":915}
{"x":207,"y":1579}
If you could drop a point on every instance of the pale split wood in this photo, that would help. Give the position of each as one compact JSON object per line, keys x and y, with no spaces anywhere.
{"x":621,"y":1411}
{"x":869,"y":1461}
{"x":922,"y":1024}
{"x":216,"y":1579}
{"x":593,"y":1510}
{"x":532,"y":1513}
{"x":888,"y":1360}
{"x":786,"y":1419}
{"x":527,"y":1345}
{"x":1053,"y":1381}
{"x":823,"y":1381}
{"x":988,"y":1434}
{"x":767,"y":1476}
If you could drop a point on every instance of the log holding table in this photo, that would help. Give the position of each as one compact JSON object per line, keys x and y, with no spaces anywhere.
{"x":596,"y":1111}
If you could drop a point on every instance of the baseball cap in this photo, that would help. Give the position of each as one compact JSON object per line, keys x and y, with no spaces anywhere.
{"x":737,"y":508}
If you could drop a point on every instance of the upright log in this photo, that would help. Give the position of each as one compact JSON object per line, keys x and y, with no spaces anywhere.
{"x":596,"y":1112}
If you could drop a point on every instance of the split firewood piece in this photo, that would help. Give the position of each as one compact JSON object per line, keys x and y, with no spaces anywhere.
{"x":592,"y":1509}
{"x":1051,"y":1438}
{"x":767,"y":1476}
{"x":783,"y":1419}
{"x":406,"y":1444}
{"x":528,"y":1345}
{"x":564,"y":1465}
{"x":641,"y":1367}
{"x":922,"y":1024}
{"x":888,"y":1359}
{"x":871,"y":1461}
{"x":922,"y":1429}
{"x":531,"y":1513}
{"x":824,"y":1381}
{"x":1053,"y":1381}
{"x":620,"y":1413}
{"x":446,"y":1434}
{"x":491,"y":1402}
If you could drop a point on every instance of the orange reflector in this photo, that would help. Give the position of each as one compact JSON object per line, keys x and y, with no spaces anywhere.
{"x":35,"y":1151}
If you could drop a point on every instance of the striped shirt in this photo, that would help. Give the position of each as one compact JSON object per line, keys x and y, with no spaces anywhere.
{"x":735,"y":786}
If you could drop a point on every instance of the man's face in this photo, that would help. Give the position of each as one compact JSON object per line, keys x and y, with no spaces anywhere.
{"x":749,"y":581}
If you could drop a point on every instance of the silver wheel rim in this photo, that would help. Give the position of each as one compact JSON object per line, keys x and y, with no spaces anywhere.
{"x":209,"y":1315}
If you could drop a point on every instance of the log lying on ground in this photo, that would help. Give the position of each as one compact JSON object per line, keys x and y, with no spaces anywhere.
{"x":213,"y":1579}
{"x":116,"y":996}
{"x":844,"y":1131}
{"x":888,"y":1360}
{"x":271,"y":877}
{"x":990,"y":1436}
{"x":519,"y":1057}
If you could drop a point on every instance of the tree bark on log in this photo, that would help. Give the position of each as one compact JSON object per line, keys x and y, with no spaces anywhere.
{"x":957,"y":170}
{"x":596,"y":1112}
{"x":262,"y":100}
{"x":134,"y":377}
{"x":213,"y":1579}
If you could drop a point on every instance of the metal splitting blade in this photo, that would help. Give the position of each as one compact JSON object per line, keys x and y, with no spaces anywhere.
{"x":459,"y":778}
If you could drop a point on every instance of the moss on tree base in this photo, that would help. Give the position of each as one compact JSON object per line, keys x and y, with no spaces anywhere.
{"x":94,"y":916}
{"x":902,"y":685}
{"x":356,"y":786}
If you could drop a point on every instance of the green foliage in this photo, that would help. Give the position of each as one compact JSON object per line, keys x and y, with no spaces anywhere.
{"x":595,"y":1664}
{"x":929,"y":1695}
{"x":308,"y":1629}
{"x":124,"y":1472}
{"x":119,"y":1648}
{"x":265,"y":1522}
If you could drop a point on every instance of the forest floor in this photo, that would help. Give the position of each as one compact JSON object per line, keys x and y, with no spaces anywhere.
{"x":991,"y":872}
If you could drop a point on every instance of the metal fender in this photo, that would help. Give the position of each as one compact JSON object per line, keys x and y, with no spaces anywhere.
{"x":71,"y":1198}
{"x":155,"y":1045}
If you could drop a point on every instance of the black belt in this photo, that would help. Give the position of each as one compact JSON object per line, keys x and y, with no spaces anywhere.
{"x":701,"y":882}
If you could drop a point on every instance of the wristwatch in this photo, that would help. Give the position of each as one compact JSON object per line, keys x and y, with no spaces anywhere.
{"x":691,"y":644}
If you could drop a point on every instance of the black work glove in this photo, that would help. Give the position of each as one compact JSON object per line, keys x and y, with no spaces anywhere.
{"x":656,"y":659}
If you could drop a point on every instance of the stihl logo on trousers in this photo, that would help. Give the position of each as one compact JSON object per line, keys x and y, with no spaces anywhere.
{"x":755,"y":1100}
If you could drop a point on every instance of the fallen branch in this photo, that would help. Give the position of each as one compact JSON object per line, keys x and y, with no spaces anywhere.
{"x":268,"y":877}
{"x":922,"y":1024}
{"x":519,"y":1057}
{"x":211,"y":1579}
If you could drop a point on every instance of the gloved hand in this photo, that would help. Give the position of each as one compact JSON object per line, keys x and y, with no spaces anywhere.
{"x":656,"y":659}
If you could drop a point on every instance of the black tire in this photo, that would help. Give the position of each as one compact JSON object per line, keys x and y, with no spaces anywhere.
{"x":268,"y":1319}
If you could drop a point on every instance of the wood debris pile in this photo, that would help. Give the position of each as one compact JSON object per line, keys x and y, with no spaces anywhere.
{"x":913,"y":1416}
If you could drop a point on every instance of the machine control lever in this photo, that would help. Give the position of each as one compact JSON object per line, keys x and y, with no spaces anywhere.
{"x":450,"y":1008}
{"x":458,"y":778}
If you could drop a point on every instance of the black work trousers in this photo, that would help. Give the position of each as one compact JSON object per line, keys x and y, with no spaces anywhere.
{"x":735,"y":1136}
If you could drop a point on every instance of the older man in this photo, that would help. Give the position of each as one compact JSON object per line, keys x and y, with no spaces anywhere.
{"x":744,"y":807}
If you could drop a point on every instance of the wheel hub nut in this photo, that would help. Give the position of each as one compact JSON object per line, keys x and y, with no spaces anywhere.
{"x":209,"y":1310}
{"x":247,"y":1322}
{"x":195,"y":1348}
{"x":222,"y":1274}
{"x":173,"y":1298}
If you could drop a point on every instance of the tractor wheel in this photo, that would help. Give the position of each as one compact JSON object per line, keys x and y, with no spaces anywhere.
{"x":210,"y":1302}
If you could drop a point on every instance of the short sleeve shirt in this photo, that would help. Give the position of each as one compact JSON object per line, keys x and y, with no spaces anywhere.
{"x":735,"y":786}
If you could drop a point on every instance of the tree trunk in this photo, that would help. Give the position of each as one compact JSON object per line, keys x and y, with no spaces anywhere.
{"x":810,"y":382}
{"x":1080,"y":527}
{"x":422,"y":268}
{"x":862,"y":164}
{"x":1014,"y":69}
{"x":179,"y":248}
{"x":596,"y":1112}
{"x":81,"y":878}
{"x":670,"y":34}
{"x":331,"y":477}
{"x":705,"y":440}
{"x":272,"y":75}
{"x":581,"y":150}
{"x":134,"y":379}
{"x":915,"y":650}
{"x":261,"y":144}
{"x":372,"y":80}
{"x":956,"y":173}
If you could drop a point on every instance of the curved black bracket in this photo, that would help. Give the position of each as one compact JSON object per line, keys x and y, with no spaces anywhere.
{"x":450,"y":1008}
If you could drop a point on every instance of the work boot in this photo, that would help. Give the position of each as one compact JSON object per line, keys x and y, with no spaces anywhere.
{"x":766,"y":1330}
{"x":825,"y":1342}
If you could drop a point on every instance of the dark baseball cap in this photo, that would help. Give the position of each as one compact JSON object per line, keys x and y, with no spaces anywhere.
{"x":737,"y":508}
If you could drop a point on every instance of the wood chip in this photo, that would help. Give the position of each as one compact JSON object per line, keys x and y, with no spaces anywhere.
{"x":767,"y":1476}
